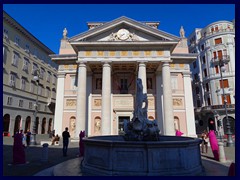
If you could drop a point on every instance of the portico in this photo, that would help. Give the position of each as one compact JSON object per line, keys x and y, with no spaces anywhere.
{"x":103,"y":64}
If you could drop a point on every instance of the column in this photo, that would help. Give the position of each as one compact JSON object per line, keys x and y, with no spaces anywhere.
{"x":159,"y":102}
{"x":89,"y":104}
{"x":167,"y":101}
{"x":58,"y":118}
{"x":81,"y":99}
{"x":190,"y":119}
{"x":142,"y":75}
{"x":106,"y":99}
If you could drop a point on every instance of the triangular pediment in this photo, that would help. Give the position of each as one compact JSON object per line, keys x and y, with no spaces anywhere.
{"x":123,"y":29}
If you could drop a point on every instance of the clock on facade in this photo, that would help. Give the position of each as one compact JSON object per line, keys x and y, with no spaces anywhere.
{"x":123,"y":34}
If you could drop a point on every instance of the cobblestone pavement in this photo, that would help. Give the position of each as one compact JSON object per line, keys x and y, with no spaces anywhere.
{"x":35,"y":166}
{"x":34,"y":157}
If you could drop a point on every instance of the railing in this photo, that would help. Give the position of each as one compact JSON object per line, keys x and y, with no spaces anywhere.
{"x":222,"y":59}
{"x":207,"y":108}
{"x":215,"y":32}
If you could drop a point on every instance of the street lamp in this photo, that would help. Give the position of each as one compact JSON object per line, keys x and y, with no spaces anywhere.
{"x":228,"y":132}
{"x":36,"y":78}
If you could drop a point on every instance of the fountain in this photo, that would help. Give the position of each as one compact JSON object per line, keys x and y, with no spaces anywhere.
{"x":141,"y":151}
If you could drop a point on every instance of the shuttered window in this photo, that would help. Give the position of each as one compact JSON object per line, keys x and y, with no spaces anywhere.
{"x":225,"y":83}
{"x":218,"y":41}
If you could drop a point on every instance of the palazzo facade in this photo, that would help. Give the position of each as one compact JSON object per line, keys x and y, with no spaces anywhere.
{"x":98,"y":71}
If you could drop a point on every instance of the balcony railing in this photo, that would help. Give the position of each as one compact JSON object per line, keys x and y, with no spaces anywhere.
{"x":214,"y":107}
{"x":222,"y":59}
{"x":215,"y":32}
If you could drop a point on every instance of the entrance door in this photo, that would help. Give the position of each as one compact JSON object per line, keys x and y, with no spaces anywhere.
{"x":121,"y":123}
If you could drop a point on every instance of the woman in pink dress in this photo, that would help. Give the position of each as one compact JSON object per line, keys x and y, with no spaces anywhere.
{"x":214,"y":144}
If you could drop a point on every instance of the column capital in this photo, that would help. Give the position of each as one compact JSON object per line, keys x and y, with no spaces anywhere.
{"x":81,"y":62}
{"x":61,"y":74}
{"x":186,"y":74}
{"x":142,"y":62}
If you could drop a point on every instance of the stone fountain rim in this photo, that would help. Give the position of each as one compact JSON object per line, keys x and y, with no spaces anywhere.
{"x":177,"y":140}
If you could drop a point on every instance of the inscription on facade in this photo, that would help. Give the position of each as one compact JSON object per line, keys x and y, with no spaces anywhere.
{"x":123,"y":102}
{"x":97,"y":102}
{"x":177,"y":102}
{"x":71,"y":102}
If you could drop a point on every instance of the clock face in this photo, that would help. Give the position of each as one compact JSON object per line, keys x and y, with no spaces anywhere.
{"x":123,"y":34}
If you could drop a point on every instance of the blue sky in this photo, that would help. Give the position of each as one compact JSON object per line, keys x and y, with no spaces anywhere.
{"x":47,"y":21}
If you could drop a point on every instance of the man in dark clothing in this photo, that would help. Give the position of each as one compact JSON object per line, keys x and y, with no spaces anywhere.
{"x":66,"y":137}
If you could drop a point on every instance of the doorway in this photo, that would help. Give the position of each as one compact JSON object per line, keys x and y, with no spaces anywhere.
{"x":121,"y":123}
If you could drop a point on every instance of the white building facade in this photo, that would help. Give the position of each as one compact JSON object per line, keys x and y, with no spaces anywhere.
{"x":215,"y":45}
{"x":98,"y":71}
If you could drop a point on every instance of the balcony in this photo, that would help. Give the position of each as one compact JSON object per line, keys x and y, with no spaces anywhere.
{"x":216,"y":32}
{"x":219,"y":60}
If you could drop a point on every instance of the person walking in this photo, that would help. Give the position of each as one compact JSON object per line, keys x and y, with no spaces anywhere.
{"x":66,"y":137}
{"x":28,"y":137}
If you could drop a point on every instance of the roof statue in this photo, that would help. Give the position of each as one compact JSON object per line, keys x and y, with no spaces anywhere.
{"x":65,"y":33}
{"x":182,"y":32}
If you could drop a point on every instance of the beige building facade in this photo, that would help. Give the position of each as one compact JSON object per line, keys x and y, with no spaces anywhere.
{"x":23,"y":56}
{"x":98,"y":71}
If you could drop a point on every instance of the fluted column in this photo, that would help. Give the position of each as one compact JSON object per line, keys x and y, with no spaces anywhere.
{"x":190,"y":119}
{"x":81,"y":99}
{"x":58,"y":118}
{"x":142,"y":75}
{"x":167,"y":101}
{"x":159,"y":105}
{"x":106,"y":100}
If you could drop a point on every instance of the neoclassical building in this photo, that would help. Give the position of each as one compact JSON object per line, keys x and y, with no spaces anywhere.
{"x":98,"y":71}
{"x":215,"y":45}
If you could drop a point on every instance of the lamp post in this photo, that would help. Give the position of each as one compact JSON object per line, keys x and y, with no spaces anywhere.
{"x":36,"y":78}
{"x":228,"y":132}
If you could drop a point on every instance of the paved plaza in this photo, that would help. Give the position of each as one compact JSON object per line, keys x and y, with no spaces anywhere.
{"x":57,"y":163}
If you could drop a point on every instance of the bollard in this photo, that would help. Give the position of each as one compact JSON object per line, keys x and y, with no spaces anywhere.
{"x":222,"y":157}
{"x":45,"y":152}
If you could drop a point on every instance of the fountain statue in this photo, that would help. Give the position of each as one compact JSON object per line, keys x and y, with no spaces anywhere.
{"x":141,"y":151}
{"x":140,"y":128}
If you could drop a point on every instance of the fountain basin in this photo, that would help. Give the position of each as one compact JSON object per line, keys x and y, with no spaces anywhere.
{"x":113,"y":156}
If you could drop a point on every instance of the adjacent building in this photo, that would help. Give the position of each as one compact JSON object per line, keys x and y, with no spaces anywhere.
{"x":24,"y":97}
{"x":98,"y":71}
{"x":215,"y":46}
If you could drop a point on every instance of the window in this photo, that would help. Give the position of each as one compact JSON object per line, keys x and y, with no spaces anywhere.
{"x":219,"y":55}
{"x":216,"y":69}
{"x":224,"y":83}
{"x":207,"y":87}
{"x":196,"y":77}
{"x":17,"y":41}
{"x":35,"y":67}
{"x":149,"y":83}
{"x":212,"y":29}
{"x":228,"y":99}
{"x":216,"y":28}
{"x":198,"y":103}
{"x":39,"y":89}
{"x":15,"y":59}
{"x":5,"y":33}
{"x":205,"y":72}
{"x":202,"y":47}
{"x":25,"y":65}
{"x":20,"y":103}
{"x":124,"y":86}
{"x":48,"y":76}
{"x":214,"y":55}
{"x":9,"y":101}
{"x":4,"y":55}
{"x":209,"y":101}
{"x":32,"y":86}
{"x":54,"y":79}
{"x":27,"y":48}
{"x":13,"y":77}
{"x":23,"y":84}
{"x":42,"y":72}
{"x":35,"y":53}
{"x":45,"y":108}
{"x":203,"y":60}
{"x":99,"y":83}
{"x":30,"y":105}
{"x":197,"y":90}
{"x":194,"y":64}
{"x":48,"y":92}
{"x":218,"y":41}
